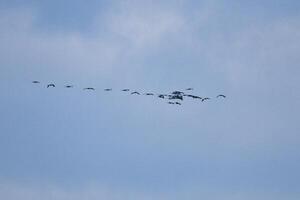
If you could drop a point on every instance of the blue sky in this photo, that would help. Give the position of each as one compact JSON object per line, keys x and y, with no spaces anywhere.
{"x":74,"y":144}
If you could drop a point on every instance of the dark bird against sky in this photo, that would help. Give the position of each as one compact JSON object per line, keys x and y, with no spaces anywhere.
{"x":192,"y":96}
{"x":135,"y":92}
{"x":221,"y":95}
{"x":50,"y":85}
{"x":204,"y":99}
{"x":89,"y":88}
{"x":161,"y":96}
{"x":149,"y":94}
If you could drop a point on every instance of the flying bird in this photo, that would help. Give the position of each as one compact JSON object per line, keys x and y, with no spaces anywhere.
{"x":149,"y":94}
{"x":161,"y":96}
{"x":69,"y":86}
{"x":189,"y":89}
{"x":89,"y":88}
{"x":135,"y":92}
{"x":221,"y":95}
{"x":125,"y":90}
{"x":108,"y":89}
{"x":35,"y":82}
{"x":177,"y":96}
{"x":50,"y":85}
{"x":192,"y":96}
{"x":204,"y":99}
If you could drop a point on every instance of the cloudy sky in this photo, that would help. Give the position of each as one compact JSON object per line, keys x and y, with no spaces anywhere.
{"x":58,"y":144}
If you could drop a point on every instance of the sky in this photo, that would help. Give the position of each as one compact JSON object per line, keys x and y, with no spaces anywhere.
{"x":63,"y":143}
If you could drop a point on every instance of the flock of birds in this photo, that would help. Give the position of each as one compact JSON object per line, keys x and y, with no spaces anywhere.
{"x":174,"y":98}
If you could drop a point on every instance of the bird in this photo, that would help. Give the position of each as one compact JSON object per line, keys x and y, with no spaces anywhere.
{"x":35,"y":82}
{"x":108,"y":89}
{"x":125,"y":90}
{"x":192,"y":96}
{"x":69,"y":86}
{"x":149,"y":94}
{"x":189,"y":89}
{"x":161,"y":96}
{"x":89,"y":88}
{"x":135,"y":92}
{"x":177,"y":96}
{"x":221,"y":95}
{"x":204,"y":99}
{"x":50,"y":85}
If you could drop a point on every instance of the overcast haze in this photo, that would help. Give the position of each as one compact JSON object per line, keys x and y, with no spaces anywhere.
{"x":63,"y":143}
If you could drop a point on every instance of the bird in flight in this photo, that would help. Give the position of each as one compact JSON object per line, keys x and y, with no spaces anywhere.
{"x":192,"y":96}
{"x":135,"y":92}
{"x":35,"y":82}
{"x":89,"y":88}
{"x":149,"y":94}
{"x":221,"y":95}
{"x":108,"y":89}
{"x":177,"y":96}
{"x":204,"y":99}
{"x":125,"y":90}
{"x":69,"y":86}
{"x":189,"y":89}
{"x":50,"y":85}
{"x":161,"y":96}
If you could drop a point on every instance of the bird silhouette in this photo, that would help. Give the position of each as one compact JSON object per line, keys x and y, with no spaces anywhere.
{"x":69,"y":86}
{"x":89,"y":88}
{"x":125,"y":90}
{"x":50,"y":85}
{"x":221,"y":95}
{"x":108,"y":89}
{"x":204,"y":99}
{"x":35,"y":82}
{"x":135,"y":92}
{"x":192,"y":96}
{"x":189,"y":89}
{"x":177,"y":96}
{"x":149,"y":94}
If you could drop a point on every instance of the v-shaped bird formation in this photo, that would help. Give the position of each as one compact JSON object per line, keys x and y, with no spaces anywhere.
{"x":173,"y":98}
